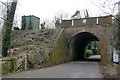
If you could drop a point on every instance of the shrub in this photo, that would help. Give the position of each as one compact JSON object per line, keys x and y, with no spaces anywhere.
{"x":89,"y":53}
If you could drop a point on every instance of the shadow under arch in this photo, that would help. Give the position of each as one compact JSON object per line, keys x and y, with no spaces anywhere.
{"x":78,"y":43}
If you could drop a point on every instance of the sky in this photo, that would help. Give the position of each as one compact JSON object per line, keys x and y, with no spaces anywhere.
{"x":46,"y":10}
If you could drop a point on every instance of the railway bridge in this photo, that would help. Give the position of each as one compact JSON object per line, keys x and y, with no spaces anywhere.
{"x":80,"y":32}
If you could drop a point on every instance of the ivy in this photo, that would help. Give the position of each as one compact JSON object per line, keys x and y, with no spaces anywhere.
{"x":7,"y":30}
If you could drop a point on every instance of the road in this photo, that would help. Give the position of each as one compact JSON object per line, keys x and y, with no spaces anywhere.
{"x":77,"y":69}
{"x":94,"y":57}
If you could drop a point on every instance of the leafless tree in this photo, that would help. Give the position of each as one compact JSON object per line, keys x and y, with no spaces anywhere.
{"x":7,"y":26}
{"x":58,"y":18}
{"x":108,"y":7}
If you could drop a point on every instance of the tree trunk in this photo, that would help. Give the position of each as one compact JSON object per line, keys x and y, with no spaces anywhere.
{"x":8,"y":28}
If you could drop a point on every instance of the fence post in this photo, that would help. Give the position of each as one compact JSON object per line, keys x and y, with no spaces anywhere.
{"x":11,"y":65}
{"x":26,"y":61}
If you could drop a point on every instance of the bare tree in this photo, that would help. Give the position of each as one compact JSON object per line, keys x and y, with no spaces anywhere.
{"x":108,"y":7}
{"x":7,"y":26}
{"x":57,"y":19}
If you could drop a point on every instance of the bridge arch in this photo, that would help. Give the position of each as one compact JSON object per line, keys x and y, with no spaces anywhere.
{"x":78,"y":43}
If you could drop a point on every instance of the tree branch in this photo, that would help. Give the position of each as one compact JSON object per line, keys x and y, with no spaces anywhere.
{"x":3,"y":4}
{"x":108,"y":5}
{"x":2,"y":18}
{"x":101,"y":9}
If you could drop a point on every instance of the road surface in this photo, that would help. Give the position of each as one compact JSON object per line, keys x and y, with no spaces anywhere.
{"x":77,"y":69}
{"x":94,"y":57}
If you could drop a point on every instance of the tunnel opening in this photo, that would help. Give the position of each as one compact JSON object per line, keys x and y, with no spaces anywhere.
{"x":79,"y":43}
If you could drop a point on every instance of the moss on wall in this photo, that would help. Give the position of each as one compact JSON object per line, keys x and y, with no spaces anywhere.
{"x":60,"y":51}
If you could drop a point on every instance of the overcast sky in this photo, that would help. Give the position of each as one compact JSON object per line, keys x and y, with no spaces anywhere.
{"x":47,"y":9}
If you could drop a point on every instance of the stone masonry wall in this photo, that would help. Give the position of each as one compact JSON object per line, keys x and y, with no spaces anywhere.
{"x":38,"y":44}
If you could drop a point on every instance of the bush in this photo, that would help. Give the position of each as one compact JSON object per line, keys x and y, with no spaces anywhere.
{"x":16,"y":28}
{"x":89,"y":53}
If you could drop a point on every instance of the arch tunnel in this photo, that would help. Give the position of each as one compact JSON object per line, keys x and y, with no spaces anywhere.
{"x":78,"y":44}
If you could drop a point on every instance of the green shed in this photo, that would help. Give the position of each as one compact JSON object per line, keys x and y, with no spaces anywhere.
{"x":30,"y":22}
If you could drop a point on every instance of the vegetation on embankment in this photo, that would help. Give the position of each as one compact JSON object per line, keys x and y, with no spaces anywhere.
{"x":109,"y":71}
{"x":35,"y":49}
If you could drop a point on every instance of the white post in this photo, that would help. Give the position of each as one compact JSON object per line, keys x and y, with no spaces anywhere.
{"x":25,"y":61}
{"x":72,"y":22}
{"x":97,"y":21}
